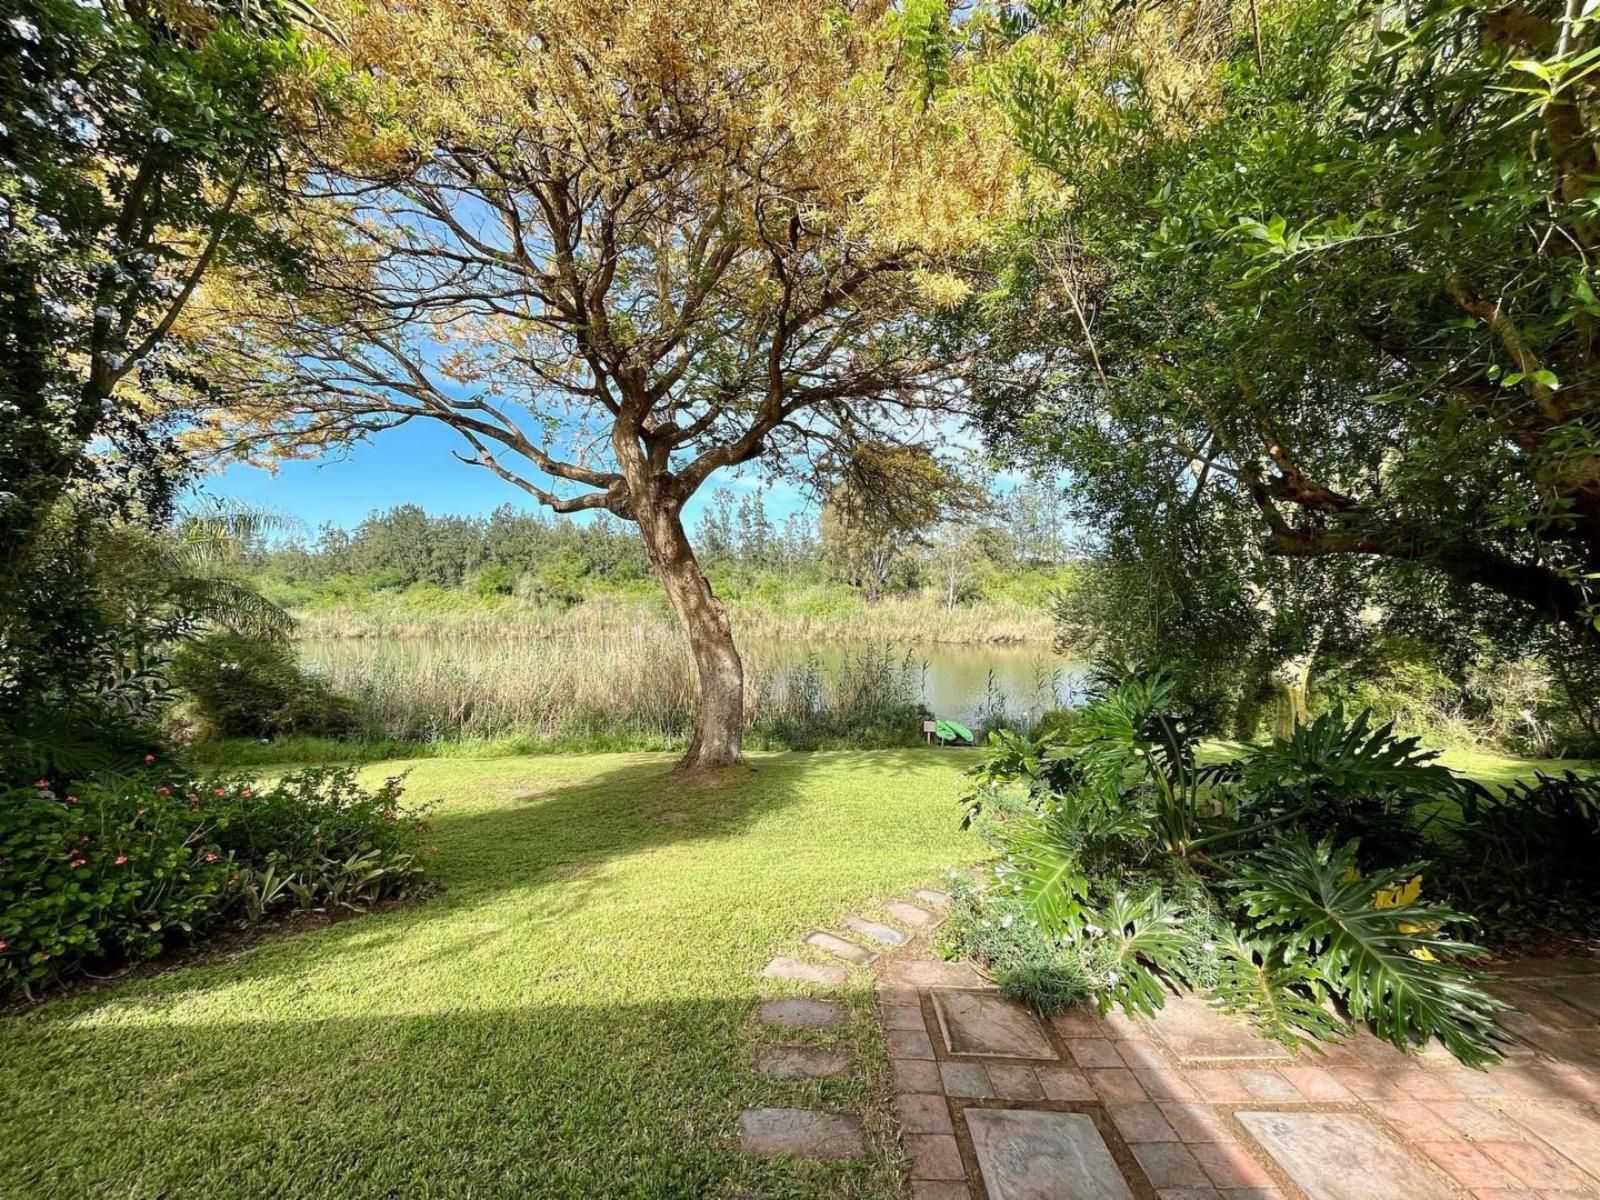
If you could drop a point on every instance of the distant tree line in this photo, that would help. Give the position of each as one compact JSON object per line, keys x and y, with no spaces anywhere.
{"x":560,"y":559}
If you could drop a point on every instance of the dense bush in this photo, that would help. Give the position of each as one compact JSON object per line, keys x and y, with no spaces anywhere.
{"x":115,"y":872}
{"x":1277,"y":882}
{"x":243,"y":686}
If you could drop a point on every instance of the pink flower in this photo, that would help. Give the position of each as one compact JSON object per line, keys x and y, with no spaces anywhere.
{"x":3,"y":943}
{"x":149,"y":758}
{"x":211,"y":858}
{"x":222,"y":791}
{"x":121,"y":859}
{"x":42,"y":784}
{"x":76,"y":863}
{"x":246,"y":793}
{"x":163,"y":791}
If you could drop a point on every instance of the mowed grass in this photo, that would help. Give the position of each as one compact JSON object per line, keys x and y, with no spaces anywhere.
{"x":573,"y":1016}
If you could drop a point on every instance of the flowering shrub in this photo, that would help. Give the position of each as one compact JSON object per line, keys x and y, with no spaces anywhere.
{"x":115,"y":872}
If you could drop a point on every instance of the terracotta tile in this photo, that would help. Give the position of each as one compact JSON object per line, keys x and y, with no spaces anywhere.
{"x":1170,"y":1165}
{"x":908,"y":1043}
{"x":1368,"y":1084}
{"x":1167,"y":1084}
{"x":1504,"y":1194}
{"x":1079,"y":1022}
{"x":1141,"y":1123}
{"x":934,"y":1156}
{"x":969,"y":1080}
{"x":1093,"y":1052}
{"x":1417,"y":1084}
{"x":927,"y":1189}
{"x":901,"y":1016}
{"x":1194,"y":1193}
{"x":1266,"y":1084}
{"x":1475,"y":1121}
{"x":1230,"y":1165}
{"x":1141,"y":1056}
{"x":1116,"y":1086}
{"x":905,"y":997}
{"x":1217,"y":1087}
{"x":1466,"y":1165}
{"x":923,"y":1113}
{"x":1197,"y":1123}
{"x":916,"y":1075}
{"x":1015,"y":1083}
{"x":1317,"y":1085}
{"x":1417,"y":1122}
{"x":1535,"y":1166}
{"x":1063,"y":1083}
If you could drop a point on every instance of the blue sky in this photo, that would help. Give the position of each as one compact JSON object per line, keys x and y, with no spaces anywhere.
{"x":414,"y":465}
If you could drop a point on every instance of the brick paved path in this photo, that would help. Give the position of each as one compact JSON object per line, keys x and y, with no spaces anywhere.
{"x":997,"y":1105}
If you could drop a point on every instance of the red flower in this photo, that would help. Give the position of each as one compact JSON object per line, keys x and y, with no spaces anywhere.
{"x":71,"y":801}
{"x":245,"y":793}
{"x":121,"y":858}
{"x":222,"y":791}
{"x":163,"y":791}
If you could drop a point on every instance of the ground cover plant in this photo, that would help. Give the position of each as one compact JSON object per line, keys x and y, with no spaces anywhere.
{"x":101,"y":874}
{"x":1285,"y":882}
{"x":569,"y":1016}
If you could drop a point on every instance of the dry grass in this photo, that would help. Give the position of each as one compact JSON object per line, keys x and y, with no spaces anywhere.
{"x":819,"y":615}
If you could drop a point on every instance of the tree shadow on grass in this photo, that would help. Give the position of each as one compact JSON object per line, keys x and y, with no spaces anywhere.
{"x":548,"y":842}
{"x":633,"y":1099}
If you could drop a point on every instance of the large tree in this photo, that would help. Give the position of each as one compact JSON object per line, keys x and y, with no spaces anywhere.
{"x":618,"y":248}
{"x":1328,"y":267}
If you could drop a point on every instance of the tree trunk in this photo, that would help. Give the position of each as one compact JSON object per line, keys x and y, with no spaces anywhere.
{"x":1292,"y":679}
{"x":719,"y":725}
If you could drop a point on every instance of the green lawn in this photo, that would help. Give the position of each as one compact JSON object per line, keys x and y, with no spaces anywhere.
{"x":572,"y":1017}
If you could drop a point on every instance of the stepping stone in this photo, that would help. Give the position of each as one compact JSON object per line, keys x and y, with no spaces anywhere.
{"x":983,"y":1023}
{"x":1034,"y":1155}
{"x":839,"y":948}
{"x":1198,"y":1033}
{"x":785,"y":967}
{"x":886,"y":934}
{"x":769,"y":1132}
{"x":1341,"y":1156}
{"x":799,"y":1062}
{"x":937,"y":899}
{"x":798,"y":1012}
{"x":908,"y":914}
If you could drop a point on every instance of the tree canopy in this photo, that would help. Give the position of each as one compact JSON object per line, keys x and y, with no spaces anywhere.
{"x":1323,"y":278}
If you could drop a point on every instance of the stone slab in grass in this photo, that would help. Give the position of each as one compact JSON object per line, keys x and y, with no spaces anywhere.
{"x":798,"y":1012}
{"x":799,"y":1062}
{"x":769,"y":1132}
{"x":983,"y":1023}
{"x":877,"y":931}
{"x":1035,"y":1155}
{"x":788,"y":967}
{"x":937,"y":899}
{"x":908,"y":914}
{"x":839,"y":948}
{"x":1198,"y":1033}
{"x":1341,"y":1156}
